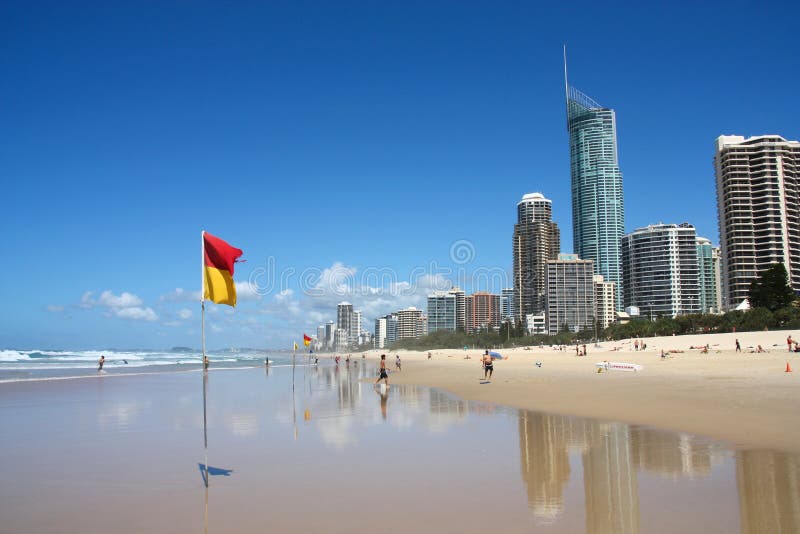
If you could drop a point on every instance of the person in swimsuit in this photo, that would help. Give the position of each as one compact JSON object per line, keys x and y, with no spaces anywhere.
{"x":205,"y":362}
{"x":397,"y":363}
{"x":488,"y":366}
{"x":100,"y":362}
{"x":384,"y":375}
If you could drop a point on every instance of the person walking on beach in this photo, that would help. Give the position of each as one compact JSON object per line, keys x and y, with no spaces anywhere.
{"x":100,"y":362}
{"x":384,"y":375}
{"x":397,"y":363}
{"x":738,"y":346}
{"x":488,"y":365}
{"x":789,"y":342}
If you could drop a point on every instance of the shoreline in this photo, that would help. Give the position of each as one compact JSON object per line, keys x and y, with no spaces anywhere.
{"x":745,"y":399}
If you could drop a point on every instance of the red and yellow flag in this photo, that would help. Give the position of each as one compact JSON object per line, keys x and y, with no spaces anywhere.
{"x":218,"y":270}
{"x":306,"y":340}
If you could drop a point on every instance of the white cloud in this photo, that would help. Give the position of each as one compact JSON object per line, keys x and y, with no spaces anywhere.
{"x":247,"y":292}
{"x":125,"y":305}
{"x":180,"y":295}
{"x":86,"y":300}
{"x":125,"y":300}
{"x":184,"y":313}
{"x":136,"y":313}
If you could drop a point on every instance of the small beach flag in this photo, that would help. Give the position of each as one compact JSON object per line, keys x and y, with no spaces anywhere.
{"x":219,"y":258}
{"x":306,"y":340}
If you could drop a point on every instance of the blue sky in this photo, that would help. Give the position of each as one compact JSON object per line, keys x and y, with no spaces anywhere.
{"x":360,"y":151}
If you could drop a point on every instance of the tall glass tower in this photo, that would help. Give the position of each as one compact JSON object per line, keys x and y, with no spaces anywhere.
{"x":598,"y":214}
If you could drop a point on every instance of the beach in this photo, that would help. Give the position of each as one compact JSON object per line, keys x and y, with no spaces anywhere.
{"x":692,"y":443}
{"x":744,"y":398}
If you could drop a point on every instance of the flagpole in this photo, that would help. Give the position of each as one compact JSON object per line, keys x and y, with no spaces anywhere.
{"x":294,"y":412}
{"x":203,"y":345}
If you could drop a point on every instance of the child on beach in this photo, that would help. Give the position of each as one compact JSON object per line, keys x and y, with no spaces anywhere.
{"x":397,"y":363}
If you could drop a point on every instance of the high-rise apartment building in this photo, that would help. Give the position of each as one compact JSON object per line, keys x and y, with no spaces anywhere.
{"x":758,"y":207}
{"x":483,"y":312}
{"x":598,"y":213}
{"x":570,"y":295}
{"x":385,"y":330}
{"x":330,"y":334}
{"x":344,"y":317}
{"x":507,"y":304}
{"x":659,"y":266}
{"x":320,"y":337}
{"x":461,"y":317}
{"x":605,"y":302}
{"x":447,"y":310}
{"x":355,"y":326}
{"x":441,"y":311}
{"x":708,"y":276}
{"x":536,"y":239}
{"x":410,"y":323}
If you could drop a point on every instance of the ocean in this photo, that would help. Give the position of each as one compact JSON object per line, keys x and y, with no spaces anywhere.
{"x":33,"y":364}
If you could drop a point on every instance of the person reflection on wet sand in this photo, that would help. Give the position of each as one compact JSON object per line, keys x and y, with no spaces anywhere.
{"x":383,"y":393}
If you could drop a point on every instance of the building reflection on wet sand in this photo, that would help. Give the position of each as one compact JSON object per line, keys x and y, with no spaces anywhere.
{"x":612,"y":455}
{"x":769,"y":491}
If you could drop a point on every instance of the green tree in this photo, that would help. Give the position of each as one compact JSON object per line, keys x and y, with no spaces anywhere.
{"x":771,"y":289}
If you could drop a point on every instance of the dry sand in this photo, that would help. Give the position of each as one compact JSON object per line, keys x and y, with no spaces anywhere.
{"x":744,"y":398}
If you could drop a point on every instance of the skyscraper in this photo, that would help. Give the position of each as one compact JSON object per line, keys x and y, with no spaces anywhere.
{"x":355,"y":326}
{"x":536,"y":240}
{"x":385,"y":330}
{"x":344,"y":324}
{"x":604,"y":293}
{"x":507,"y":304}
{"x":411,"y":323}
{"x":659,"y":266}
{"x":570,"y":295}
{"x":598,"y":214}
{"x":758,"y":206}
{"x":483,"y":312}
{"x":441,"y":311}
{"x":708,"y":276}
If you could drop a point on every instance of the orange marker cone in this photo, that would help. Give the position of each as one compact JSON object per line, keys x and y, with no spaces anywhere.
{"x":788,"y":368}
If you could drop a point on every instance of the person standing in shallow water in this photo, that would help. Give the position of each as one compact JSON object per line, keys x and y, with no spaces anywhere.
{"x":100,"y":362}
{"x":384,"y":375}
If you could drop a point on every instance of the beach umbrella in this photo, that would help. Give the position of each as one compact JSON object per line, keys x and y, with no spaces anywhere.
{"x":496,"y":355}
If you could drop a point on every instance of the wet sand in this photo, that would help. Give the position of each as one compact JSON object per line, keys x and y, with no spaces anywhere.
{"x":743,"y":398}
{"x":124,"y":454}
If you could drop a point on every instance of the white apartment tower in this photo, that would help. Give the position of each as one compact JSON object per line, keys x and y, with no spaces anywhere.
{"x":605,"y":297}
{"x":570,"y":294}
{"x":758,"y":207}
{"x":660,"y":270}
{"x":355,"y":326}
